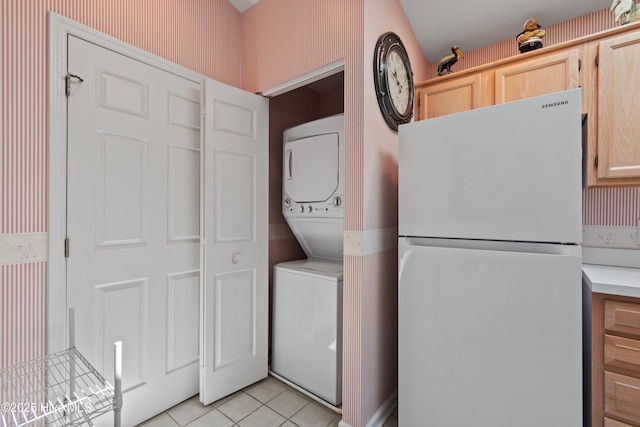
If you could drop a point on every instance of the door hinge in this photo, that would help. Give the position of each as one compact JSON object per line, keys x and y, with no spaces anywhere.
{"x":67,"y":82}
{"x":597,"y":60}
{"x":66,"y":247}
{"x":595,"y":161}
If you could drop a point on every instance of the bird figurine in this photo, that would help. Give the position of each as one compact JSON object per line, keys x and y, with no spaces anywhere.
{"x":621,"y":7}
{"x":445,"y":64}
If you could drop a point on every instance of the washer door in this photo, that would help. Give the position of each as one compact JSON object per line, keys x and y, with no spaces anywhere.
{"x":311,"y":168}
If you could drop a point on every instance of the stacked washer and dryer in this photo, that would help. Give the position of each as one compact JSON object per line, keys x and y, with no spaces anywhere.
{"x":307,"y":294}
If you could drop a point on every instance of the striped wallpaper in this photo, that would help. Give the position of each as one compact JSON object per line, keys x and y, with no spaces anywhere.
{"x":615,"y":207}
{"x":23,"y":315}
{"x":205,"y":36}
{"x":180,"y":31}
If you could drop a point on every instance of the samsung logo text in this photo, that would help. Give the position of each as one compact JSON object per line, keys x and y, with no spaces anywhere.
{"x":555,"y":104}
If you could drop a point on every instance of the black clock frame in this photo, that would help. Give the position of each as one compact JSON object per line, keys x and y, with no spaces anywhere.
{"x":384,"y":45}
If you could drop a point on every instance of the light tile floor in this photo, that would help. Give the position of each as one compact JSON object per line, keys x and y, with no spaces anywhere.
{"x":268,"y":403}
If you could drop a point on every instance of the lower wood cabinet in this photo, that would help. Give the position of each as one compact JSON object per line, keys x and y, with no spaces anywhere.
{"x":613,"y":423}
{"x":616,"y":361}
{"x":622,"y":397}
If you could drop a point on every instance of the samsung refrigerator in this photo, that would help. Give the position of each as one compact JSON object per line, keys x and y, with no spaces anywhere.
{"x":490,"y":292}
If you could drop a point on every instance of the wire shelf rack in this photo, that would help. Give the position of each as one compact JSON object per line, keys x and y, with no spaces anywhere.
{"x":59,"y":389}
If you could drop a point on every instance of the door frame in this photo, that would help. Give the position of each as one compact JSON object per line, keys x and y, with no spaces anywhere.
{"x":59,"y":29}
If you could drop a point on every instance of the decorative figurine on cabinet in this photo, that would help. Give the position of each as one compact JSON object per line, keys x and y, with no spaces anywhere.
{"x":445,"y":64}
{"x":625,"y":11}
{"x":531,"y":36}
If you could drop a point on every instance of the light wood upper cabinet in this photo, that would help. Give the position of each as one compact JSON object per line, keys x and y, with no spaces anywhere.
{"x":619,"y":107}
{"x":538,"y":76}
{"x":450,"y":96}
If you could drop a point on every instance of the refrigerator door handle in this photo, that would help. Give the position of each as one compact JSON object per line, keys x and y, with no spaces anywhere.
{"x":497,"y":245}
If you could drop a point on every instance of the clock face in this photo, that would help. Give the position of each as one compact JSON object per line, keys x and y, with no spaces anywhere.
{"x":393,"y":80}
{"x":398,"y":81}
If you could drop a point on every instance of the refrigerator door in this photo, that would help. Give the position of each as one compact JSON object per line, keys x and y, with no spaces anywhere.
{"x":489,"y":338}
{"x":506,"y":172}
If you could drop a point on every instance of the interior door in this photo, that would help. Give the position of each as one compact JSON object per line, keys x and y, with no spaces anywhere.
{"x":234,"y":243}
{"x":133,"y":224}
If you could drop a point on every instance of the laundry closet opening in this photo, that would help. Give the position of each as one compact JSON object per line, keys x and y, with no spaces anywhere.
{"x":317,"y":100}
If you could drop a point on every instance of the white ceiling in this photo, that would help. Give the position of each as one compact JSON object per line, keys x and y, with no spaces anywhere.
{"x":243,"y":5}
{"x":472,"y":24}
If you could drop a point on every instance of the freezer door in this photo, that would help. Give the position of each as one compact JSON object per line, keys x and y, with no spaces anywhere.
{"x":506,"y":172}
{"x":489,"y":338}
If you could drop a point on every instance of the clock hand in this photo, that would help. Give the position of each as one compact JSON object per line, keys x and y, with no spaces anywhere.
{"x":395,"y":76}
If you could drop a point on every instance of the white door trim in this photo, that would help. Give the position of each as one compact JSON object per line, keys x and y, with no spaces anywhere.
{"x":305,"y":79}
{"x":59,"y":29}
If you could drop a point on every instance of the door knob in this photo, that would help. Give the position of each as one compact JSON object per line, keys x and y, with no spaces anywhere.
{"x":236,"y":258}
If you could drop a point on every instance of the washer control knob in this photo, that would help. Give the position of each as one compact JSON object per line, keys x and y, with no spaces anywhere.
{"x":337,"y":201}
{"x":287,"y":203}
{"x":301,"y":209}
{"x":309,"y":209}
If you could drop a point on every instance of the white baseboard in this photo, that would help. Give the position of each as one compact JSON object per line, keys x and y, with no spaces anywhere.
{"x":381,"y":415}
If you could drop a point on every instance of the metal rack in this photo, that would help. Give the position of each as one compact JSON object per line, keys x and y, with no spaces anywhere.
{"x":59,"y":389}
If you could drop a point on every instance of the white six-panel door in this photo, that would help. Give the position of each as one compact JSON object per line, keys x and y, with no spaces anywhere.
{"x":133,"y":194}
{"x":234,"y":293}
{"x":139,"y":199}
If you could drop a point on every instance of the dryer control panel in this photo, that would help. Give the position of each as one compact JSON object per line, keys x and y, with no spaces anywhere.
{"x":332,"y":207}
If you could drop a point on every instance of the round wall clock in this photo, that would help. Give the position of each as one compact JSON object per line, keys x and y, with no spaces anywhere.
{"x":393,"y":80}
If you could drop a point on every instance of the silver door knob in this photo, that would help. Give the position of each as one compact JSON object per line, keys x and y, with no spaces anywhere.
{"x":236,"y":258}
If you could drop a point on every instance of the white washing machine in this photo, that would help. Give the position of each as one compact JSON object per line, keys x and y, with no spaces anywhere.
{"x":307,"y":326}
{"x":307,"y":294}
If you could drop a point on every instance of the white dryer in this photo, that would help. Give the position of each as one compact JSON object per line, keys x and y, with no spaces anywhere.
{"x":307,"y":294}
{"x":313,"y":187}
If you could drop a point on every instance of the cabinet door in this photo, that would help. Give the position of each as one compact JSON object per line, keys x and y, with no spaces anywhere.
{"x":619,"y":107}
{"x":452,"y":96}
{"x":621,"y":397}
{"x":614,"y":423}
{"x":540,"y":76}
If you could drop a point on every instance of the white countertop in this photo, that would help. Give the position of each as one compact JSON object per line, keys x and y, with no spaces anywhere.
{"x":606,"y":279}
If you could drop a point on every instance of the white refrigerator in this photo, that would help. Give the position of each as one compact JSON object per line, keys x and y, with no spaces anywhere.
{"x":490,"y":293}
